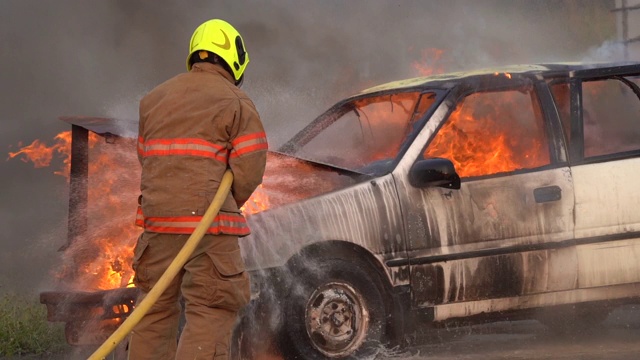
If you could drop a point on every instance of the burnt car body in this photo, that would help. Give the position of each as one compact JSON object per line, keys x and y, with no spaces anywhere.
{"x":433,"y":229}
{"x":508,"y":192}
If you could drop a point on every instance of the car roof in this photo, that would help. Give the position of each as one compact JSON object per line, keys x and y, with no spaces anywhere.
{"x":452,"y":79}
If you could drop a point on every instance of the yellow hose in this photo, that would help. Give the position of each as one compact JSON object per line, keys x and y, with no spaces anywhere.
{"x":141,"y":309}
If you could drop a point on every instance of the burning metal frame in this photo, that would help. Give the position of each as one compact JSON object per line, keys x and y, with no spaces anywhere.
{"x":90,"y":316}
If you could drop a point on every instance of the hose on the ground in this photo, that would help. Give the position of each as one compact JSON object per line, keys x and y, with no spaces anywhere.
{"x":141,"y":309}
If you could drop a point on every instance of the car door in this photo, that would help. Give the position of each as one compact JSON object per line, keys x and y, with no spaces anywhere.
{"x":507,"y":232}
{"x":605,"y":158}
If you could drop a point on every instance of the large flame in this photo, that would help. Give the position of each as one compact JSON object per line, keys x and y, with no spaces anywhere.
{"x":478,"y":140}
{"x":475,"y":138}
{"x":101,"y":260}
{"x":114,"y":180}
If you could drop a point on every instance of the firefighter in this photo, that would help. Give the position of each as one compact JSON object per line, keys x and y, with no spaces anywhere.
{"x":192,"y":128}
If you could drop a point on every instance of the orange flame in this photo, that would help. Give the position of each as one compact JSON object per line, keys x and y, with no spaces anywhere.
{"x":477,"y":143}
{"x":102,"y":259}
{"x":41,"y":155}
{"x":507,"y":75}
{"x":113,"y":185}
{"x":430,"y":62}
{"x":259,"y":201}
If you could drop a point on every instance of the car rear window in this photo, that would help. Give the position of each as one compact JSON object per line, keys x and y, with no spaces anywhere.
{"x":610,"y":117}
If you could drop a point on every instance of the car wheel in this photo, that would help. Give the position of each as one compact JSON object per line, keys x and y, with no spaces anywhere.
{"x":335,"y":311}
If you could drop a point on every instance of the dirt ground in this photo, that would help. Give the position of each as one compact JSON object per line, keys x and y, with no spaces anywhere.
{"x":616,"y":339}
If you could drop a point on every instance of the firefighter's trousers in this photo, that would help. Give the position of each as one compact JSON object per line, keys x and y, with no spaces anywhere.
{"x":213,"y":284}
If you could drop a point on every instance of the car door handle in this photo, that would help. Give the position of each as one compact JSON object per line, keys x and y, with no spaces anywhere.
{"x":547,"y":194}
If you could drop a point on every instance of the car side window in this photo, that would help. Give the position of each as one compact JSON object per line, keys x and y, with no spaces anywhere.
{"x":610,"y":117}
{"x":493,"y":132}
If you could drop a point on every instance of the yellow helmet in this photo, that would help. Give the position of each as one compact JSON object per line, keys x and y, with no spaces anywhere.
{"x":219,"y":37}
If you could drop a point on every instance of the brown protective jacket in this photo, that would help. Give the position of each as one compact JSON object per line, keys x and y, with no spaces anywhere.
{"x":192,"y":128}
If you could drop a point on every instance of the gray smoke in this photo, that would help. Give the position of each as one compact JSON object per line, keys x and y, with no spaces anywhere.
{"x":98,"y":58}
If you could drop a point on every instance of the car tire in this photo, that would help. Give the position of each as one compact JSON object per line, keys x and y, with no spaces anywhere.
{"x":334,"y":310}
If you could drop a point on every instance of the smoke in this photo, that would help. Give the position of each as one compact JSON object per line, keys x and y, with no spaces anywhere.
{"x":74,"y":57}
{"x":608,"y":51}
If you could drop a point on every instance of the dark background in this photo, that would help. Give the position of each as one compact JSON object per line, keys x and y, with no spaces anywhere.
{"x":98,"y":58}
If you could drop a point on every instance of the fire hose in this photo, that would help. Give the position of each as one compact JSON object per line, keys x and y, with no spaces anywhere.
{"x":141,"y":309}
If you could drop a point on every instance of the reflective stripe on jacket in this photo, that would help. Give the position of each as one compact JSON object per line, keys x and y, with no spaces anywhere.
{"x":192,"y":128}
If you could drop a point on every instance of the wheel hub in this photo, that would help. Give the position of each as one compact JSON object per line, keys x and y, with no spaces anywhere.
{"x":337,"y":319}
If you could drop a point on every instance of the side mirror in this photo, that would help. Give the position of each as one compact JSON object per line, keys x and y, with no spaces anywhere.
{"x":434,"y":172}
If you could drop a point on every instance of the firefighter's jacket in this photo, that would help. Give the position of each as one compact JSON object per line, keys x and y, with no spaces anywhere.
{"x":192,"y":128}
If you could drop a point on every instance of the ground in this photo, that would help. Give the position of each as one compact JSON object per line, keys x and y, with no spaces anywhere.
{"x":616,"y":339}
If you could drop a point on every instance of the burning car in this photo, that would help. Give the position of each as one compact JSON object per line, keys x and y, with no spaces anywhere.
{"x":500,"y":193}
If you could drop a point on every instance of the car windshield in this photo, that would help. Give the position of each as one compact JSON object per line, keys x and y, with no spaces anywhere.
{"x":363,"y":135}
